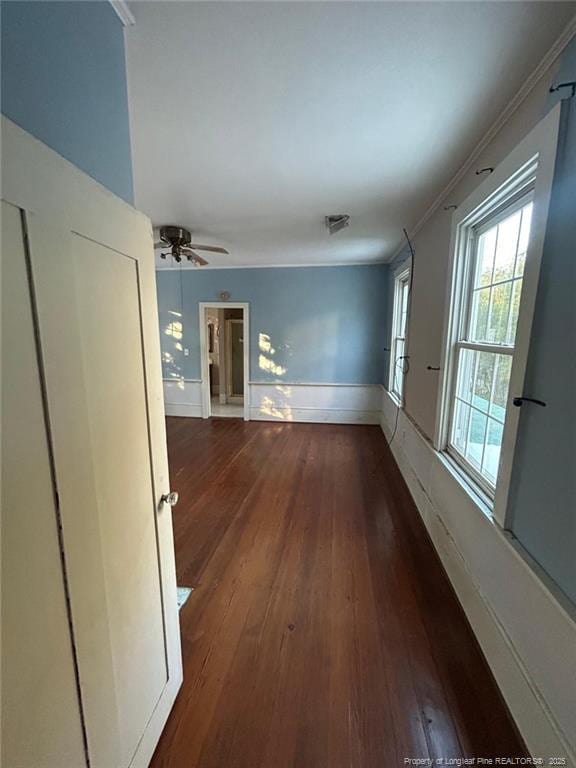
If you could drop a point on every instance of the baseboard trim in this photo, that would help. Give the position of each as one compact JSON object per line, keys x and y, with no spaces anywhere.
{"x":314,"y":415}
{"x":280,"y":383}
{"x":183,"y":409}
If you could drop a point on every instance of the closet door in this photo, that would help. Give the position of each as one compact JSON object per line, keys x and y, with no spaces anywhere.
{"x":93,"y":284}
{"x":41,"y":725}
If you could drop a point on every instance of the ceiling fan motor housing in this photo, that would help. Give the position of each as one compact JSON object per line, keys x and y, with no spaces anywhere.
{"x":179,"y":240}
{"x":175,"y":236}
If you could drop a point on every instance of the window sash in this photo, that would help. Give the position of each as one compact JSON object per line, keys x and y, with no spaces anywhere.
{"x":511,"y":205}
{"x":399,"y":319}
{"x":488,"y":414}
{"x":397,"y":373}
{"x":533,"y":158}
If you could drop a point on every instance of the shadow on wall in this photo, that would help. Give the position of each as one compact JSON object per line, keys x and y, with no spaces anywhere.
{"x":280,"y":407}
{"x":171,"y":357}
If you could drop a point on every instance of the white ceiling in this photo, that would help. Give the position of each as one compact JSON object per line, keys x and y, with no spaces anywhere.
{"x":251,"y":121}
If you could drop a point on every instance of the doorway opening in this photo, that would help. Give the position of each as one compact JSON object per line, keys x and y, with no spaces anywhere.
{"x":224,"y":347}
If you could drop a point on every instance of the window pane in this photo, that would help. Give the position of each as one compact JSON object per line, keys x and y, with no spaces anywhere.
{"x":492,"y":450}
{"x":480,"y":408}
{"x":404,"y":304}
{"x":485,"y":258}
{"x":466,"y":371}
{"x":460,"y":426}
{"x":476,"y":434}
{"x":501,"y":384}
{"x":401,"y":292}
{"x":483,"y":380}
{"x":506,"y":246}
{"x":398,"y":369}
{"x":499,"y":309}
{"x":479,"y":320}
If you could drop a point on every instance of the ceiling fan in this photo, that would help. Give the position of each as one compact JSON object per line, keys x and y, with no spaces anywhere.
{"x":179,"y":240}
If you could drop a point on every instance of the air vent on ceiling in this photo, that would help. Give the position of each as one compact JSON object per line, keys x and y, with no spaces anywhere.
{"x":336,"y":222}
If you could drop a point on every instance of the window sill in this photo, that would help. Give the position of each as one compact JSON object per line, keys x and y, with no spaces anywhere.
{"x":395,"y":399}
{"x":476,"y":494}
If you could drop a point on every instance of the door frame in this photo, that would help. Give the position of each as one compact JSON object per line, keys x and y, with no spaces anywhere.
{"x":205,"y":373}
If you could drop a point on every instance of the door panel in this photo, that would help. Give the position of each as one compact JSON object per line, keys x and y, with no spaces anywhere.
{"x":113,"y":375}
{"x":235,"y":357}
{"x":89,"y":303}
{"x":37,"y":657}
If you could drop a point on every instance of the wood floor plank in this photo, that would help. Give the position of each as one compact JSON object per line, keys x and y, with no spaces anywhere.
{"x":322,"y":631}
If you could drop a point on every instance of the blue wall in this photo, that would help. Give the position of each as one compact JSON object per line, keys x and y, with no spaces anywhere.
{"x":322,"y":322}
{"x":543,"y":490}
{"x":64,"y":81}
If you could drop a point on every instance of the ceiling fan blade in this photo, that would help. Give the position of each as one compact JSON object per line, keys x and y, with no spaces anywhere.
{"x":212,"y":248}
{"x":199,"y":261}
{"x":194,"y":257}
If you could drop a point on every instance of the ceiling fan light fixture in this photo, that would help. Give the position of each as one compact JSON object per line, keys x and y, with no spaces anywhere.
{"x":336,"y":222}
{"x":179,"y":239}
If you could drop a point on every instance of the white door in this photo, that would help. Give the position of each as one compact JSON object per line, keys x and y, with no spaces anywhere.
{"x":93,"y":290}
{"x":41,"y":723}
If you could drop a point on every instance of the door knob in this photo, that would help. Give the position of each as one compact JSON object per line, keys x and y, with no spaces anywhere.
{"x":170,"y":498}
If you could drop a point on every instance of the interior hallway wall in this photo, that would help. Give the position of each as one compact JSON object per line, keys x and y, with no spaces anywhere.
{"x":307,"y":324}
{"x":64,"y":81}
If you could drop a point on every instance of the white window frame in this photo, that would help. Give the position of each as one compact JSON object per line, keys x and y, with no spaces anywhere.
{"x":520,"y":193}
{"x":531,"y":163}
{"x":401,"y":278}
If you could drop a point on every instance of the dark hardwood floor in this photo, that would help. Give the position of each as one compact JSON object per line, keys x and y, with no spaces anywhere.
{"x":322,"y":631}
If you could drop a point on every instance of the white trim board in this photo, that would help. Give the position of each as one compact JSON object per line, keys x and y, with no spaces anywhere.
{"x":314,"y":415}
{"x":179,"y":379}
{"x":281,"y":383}
{"x":314,"y":403}
{"x":123,"y":12}
{"x":182,"y":398}
{"x":530,"y":651}
{"x":317,"y":403}
{"x":207,"y":267}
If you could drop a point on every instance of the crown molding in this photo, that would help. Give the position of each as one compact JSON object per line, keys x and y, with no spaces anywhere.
{"x":533,"y":78}
{"x":307,"y":265}
{"x":123,"y":12}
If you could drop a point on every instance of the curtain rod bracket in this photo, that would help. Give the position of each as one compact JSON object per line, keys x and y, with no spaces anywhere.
{"x":570,"y":84}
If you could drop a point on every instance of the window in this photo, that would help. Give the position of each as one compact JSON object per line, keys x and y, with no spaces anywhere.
{"x":483,"y":351}
{"x":397,"y":347}
{"x":498,"y":234}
